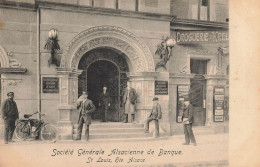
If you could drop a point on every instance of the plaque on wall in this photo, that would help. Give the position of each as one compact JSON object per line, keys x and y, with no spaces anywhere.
{"x":50,"y":85}
{"x":161,"y":88}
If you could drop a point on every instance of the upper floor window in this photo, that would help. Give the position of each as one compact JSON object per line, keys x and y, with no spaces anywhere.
{"x":199,"y":9}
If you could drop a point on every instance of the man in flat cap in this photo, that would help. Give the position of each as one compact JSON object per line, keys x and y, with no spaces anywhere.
{"x":104,"y":103}
{"x":187,"y":119}
{"x":10,"y":115}
{"x":155,"y":115}
{"x":85,"y":107}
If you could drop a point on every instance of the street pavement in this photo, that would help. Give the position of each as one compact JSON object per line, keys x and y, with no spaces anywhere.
{"x":212,"y":150}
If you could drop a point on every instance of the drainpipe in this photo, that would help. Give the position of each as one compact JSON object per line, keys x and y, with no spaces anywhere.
{"x":38,"y":64}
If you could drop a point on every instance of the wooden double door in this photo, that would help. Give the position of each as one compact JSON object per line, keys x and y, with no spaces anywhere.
{"x":198,"y":100}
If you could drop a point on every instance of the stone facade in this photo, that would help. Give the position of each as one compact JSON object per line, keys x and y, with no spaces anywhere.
{"x":131,"y":29}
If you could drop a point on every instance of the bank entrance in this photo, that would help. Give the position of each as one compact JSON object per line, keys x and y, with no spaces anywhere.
{"x":104,"y":66}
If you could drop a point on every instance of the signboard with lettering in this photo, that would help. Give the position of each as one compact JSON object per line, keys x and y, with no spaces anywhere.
{"x":183,"y":37}
{"x":161,"y":88}
{"x":219,"y":104}
{"x":50,"y":85}
{"x":183,"y":90}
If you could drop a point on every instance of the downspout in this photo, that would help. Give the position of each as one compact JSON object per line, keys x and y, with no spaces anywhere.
{"x":38,"y":63}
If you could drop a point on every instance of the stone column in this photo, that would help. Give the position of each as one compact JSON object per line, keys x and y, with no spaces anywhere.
{"x":68,"y":96}
{"x":143,"y":82}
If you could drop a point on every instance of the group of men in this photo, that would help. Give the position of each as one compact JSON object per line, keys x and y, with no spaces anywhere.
{"x":86,"y":108}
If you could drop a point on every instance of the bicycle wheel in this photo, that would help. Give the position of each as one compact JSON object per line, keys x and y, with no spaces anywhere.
{"x":22,"y":130}
{"x":49,"y":132}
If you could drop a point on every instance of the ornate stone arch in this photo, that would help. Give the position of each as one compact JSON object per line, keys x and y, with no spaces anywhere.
{"x":109,"y":36}
{"x":3,"y":57}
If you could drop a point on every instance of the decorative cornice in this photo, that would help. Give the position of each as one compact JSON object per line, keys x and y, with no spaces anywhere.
{"x":104,"y":11}
{"x":5,"y":70}
{"x":207,"y":77}
{"x":198,"y":23}
{"x":18,"y":5}
{"x":143,"y":74}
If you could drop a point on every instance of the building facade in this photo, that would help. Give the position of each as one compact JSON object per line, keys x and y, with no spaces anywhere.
{"x":112,"y":41}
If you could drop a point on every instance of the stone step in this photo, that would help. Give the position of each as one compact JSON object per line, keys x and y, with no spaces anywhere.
{"x":116,"y":140}
{"x":117,"y":135}
{"x":112,"y":130}
{"x":113,"y":125}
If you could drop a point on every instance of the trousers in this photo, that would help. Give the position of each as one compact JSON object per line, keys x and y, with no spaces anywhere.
{"x":104,"y":109}
{"x":156,"y":126}
{"x":189,"y":136}
{"x":80,"y":126}
{"x":132,"y":117}
{"x":9,"y":126}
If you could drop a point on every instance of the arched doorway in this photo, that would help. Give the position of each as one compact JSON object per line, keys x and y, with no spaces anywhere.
{"x":104,"y":66}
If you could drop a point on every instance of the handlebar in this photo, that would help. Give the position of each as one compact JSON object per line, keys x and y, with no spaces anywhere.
{"x":30,"y":115}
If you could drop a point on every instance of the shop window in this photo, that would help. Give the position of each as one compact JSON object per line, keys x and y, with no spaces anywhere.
{"x":198,"y":66}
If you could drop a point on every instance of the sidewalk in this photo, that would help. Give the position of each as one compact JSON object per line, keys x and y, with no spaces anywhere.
{"x":212,"y":150}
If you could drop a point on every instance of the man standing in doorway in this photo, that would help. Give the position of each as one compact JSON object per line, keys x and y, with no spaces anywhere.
{"x":10,"y":115}
{"x":129,"y":101}
{"x":187,"y":119}
{"x":104,"y":103}
{"x":85,"y":107}
{"x":155,"y":115}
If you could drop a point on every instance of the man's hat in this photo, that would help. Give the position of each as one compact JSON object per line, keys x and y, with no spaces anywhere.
{"x":155,"y":99}
{"x":10,"y":93}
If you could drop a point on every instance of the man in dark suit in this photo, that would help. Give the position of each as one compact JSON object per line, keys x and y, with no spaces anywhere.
{"x":10,"y":115}
{"x":85,"y":107}
{"x":129,"y":101}
{"x":155,"y":115}
{"x":187,"y":119}
{"x":104,"y":103}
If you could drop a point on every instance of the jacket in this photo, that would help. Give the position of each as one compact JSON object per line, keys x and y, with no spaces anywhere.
{"x":104,"y":99}
{"x":85,"y":109}
{"x":10,"y":110}
{"x":188,"y":113}
{"x":156,"y":112}
{"x":132,"y":96}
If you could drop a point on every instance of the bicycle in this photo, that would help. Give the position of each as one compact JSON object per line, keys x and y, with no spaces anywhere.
{"x":35,"y":128}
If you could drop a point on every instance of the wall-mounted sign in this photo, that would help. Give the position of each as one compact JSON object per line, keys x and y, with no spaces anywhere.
{"x":183,"y":90}
{"x":202,"y":36}
{"x":161,"y":88}
{"x":219,"y":104}
{"x":50,"y":85}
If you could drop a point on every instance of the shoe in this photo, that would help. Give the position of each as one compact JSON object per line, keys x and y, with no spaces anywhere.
{"x":125,"y":122}
{"x":194,"y":144}
{"x":185,"y":143}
